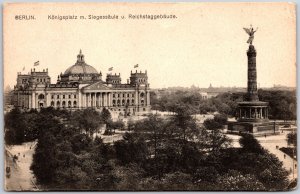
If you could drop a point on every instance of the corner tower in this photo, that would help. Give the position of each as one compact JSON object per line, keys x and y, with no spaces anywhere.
{"x":138,"y":78}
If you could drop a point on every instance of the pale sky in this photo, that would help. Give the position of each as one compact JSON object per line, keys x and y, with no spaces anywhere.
{"x":205,"y":44}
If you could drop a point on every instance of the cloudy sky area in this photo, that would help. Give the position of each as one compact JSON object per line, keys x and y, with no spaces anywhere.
{"x":205,"y":44}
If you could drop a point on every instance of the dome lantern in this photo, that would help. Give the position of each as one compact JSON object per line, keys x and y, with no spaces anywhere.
{"x":80,"y":57}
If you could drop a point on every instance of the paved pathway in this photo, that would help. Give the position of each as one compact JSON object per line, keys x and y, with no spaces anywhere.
{"x":270,"y":143}
{"x":21,"y":177}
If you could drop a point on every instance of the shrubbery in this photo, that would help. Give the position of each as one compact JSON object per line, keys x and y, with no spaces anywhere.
{"x":157,"y":155}
{"x":282,"y":103}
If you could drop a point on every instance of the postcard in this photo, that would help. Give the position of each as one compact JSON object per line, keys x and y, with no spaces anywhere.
{"x":150,"y":96}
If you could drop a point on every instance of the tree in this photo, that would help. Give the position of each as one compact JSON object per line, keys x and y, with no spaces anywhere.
{"x":130,"y":125}
{"x":250,"y":144}
{"x":186,"y":125}
{"x":206,"y":174}
{"x":131,"y":149}
{"x":282,"y":103}
{"x":14,"y":127}
{"x":221,"y":119}
{"x":105,"y":115}
{"x":212,"y":124}
{"x":216,"y":139}
{"x":128,"y":178}
{"x":44,"y":161}
{"x":177,"y":181}
{"x":115,"y":125}
{"x":87,"y":119}
{"x":153,"y":126}
{"x":235,"y":181}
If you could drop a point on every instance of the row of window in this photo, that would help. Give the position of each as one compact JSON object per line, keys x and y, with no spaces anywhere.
{"x":141,"y":80}
{"x":63,"y":104}
{"x":40,"y":80}
{"x":125,"y":110}
{"x":118,"y":95}
{"x":24,"y":81}
{"x":37,"y":79}
{"x":41,"y":96}
{"x":128,"y":95}
{"x":118,"y":102}
{"x":63,"y":96}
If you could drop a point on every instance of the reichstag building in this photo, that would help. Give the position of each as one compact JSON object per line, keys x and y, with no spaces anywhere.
{"x":81,"y":86}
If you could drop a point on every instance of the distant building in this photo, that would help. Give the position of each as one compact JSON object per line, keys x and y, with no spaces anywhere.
{"x":80,"y":87}
{"x":204,"y":95}
{"x":215,"y":91}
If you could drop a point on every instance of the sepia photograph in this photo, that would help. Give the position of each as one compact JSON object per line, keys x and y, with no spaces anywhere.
{"x":116,"y":96}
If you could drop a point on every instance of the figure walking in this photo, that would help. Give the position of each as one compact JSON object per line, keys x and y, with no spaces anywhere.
{"x":284,"y":156}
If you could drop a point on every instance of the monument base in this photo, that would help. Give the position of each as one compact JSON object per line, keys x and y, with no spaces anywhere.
{"x":256,"y":128}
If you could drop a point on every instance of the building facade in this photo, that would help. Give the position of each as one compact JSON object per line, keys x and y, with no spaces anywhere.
{"x":80,"y":87}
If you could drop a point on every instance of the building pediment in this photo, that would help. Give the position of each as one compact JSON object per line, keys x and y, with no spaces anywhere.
{"x":96,"y":86}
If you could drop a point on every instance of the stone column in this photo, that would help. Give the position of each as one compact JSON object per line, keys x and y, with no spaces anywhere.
{"x":252,"y":77}
{"x":46,"y":101}
{"x":260,"y":112}
{"x":29,"y":101}
{"x":255,"y":112}
{"x":36,"y":101}
{"x":89,"y":99}
{"x":83,"y":100}
{"x":94,"y":100}
{"x":86,"y":96}
{"x":109,"y":99}
{"x":250,"y":111}
{"x":97,"y":100}
{"x":240,"y":115}
{"x":79,"y":100}
{"x":121,"y":98}
{"x":86,"y":100}
{"x":104,"y":99}
{"x":33,"y":100}
{"x":137,"y":102}
{"x":136,"y":98}
{"x":100,"y":99}
{"x":148,"y":98}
